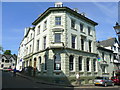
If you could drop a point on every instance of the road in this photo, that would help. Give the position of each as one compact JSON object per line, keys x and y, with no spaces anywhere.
{"x":8,"y":81}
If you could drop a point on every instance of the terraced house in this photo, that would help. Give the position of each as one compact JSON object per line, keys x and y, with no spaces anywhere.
{"x":61,"y":44}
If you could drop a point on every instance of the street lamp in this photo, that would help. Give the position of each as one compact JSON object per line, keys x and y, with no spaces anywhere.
{"x":117,"y":30}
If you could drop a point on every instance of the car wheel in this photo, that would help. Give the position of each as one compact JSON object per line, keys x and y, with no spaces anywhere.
{"x":113,"y":84}
{"x":105,"y":84}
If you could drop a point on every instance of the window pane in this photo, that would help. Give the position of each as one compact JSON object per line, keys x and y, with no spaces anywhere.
{"x":82,"y":44}
{"x":57,"y":20}
{"x":71,"y":63}
{"x":57,"y":37}
{"x":37,"y":45}
{"x":72,"y":23}
{"x":80,"y":63}
{"x":45,"y":62}
{"x":81,"y":27}
{"x":88,"y":64}
{"x":89,"y":46}
{"x":94,"y":64}
{"x":57,"y":62}
{"x":44,"y":42}
{"x":73,"y":41}
{"x":89,"y":30}
{"x":45,"y":24}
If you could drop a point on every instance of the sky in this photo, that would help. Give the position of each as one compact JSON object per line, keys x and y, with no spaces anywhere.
{"x":18,"y":15}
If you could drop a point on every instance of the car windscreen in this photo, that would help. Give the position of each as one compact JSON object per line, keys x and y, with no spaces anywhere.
{"x":99,"y":78}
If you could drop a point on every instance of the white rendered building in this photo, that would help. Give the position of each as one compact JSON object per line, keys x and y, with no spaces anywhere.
{"x":61,"y":44}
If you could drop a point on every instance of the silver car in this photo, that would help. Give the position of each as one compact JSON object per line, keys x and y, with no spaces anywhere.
{"x":104,"y":81}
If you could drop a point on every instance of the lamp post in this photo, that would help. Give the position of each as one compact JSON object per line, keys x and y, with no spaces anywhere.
{"x":117,"y":30}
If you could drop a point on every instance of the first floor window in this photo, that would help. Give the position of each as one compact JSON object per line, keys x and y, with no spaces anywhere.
{"x":80,"y":63}
{"x":90,"y":46}
{"x":71,"y":62}
{"x":73,"y":41}
{"x":44,"y":42}
{"x":82,"y":44}
{"x":57,"y":62}
{"x":57,"y":37}
{"x":88,"y":64}
{"x":37,"y":45}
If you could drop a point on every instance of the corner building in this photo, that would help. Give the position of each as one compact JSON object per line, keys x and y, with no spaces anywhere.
{"x":63,"y":44}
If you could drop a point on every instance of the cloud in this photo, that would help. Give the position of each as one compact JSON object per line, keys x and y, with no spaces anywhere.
{"x":109,"y":9}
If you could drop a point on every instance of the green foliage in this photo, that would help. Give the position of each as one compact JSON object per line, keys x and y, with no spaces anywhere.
{"x":7,"y":52}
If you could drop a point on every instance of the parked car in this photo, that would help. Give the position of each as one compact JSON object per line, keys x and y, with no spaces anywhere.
{"x":104,"y":81}
{"x":116,"y":79}
{"x":7,"y":69}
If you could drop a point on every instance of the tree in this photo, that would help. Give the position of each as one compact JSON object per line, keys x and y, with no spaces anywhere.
{"x":7,"y":52}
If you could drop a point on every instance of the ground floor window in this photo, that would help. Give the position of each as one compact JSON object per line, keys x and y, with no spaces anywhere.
{"x":40,"y":63}
{"x":71,"y":62}
{"x":94,"y":65}
{"x":45,"y":62}
{"x":80,"y":63}
{"x":57,"y":62}
{"x":104,"y":69}
{"x":88,"y":64}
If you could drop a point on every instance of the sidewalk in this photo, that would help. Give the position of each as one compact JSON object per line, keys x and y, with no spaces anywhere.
{"x":48,"y":83}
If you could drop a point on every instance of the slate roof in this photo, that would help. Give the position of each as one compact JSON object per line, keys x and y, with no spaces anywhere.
{"x":108,"y":42}
{"x":50,"y":9}
{"x":8,"y":56}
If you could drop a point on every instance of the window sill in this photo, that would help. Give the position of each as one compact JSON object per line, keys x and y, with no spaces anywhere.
{"x":45,"y":29}
{"x":90,"y":35}
{"x":73,"y":28}
{"x":72,"y":71}
{"x":88,"y":71}
{"x":44,"y":71}
{"x":58,"y":25}
{"x":95,"y":72}
{"x":57,"y":71}
{"x":83,"y":32}
{"x":106,"y":73}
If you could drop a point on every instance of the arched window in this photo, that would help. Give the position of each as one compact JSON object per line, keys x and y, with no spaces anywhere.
{"x":57,"y":62}
{"x":71,"y":62}
{"x":88,"y":64}
{"x":80,"y":63}
{"x":30,"y":63}
{"x":94,"y":64}
{"x":39,"y":62}
{"x":34,"y":62}
{"x":45,"y":62}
